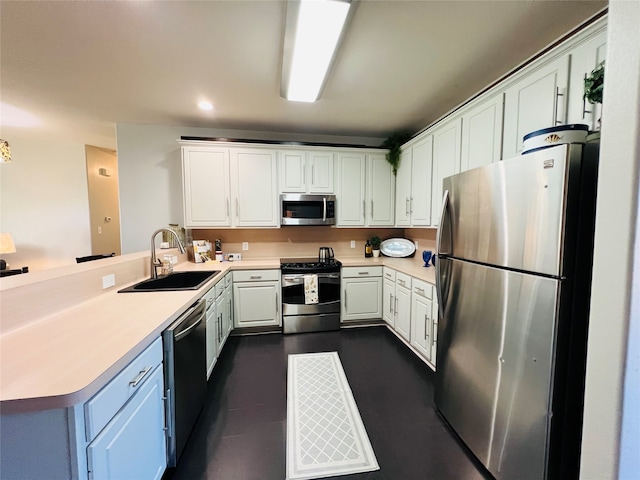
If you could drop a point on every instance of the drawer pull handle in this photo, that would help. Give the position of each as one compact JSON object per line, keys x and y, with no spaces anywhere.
{"x":255,"y":277}
{"x":134,"y":383}
{"x":363,"y":273}
{"x":421,"y":290}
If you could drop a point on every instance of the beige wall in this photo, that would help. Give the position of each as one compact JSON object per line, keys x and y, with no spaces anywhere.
{"x":104,"y":207}
{"x":305,"y":241}
{"x":43,"y":201}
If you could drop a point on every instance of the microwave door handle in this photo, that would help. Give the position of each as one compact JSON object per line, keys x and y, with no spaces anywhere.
{"x":324,"y":209}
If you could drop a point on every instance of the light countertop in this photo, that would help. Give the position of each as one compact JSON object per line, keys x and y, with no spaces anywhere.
{"x":65,"y":358}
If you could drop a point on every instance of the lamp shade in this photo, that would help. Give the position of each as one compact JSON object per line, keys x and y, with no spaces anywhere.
{"x":6,"y":243}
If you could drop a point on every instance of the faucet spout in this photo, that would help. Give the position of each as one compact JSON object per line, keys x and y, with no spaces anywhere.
{"x":154,"y":261}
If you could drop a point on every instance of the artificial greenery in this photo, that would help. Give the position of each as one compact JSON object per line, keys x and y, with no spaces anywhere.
{"x":375,"y":242}
{"x":594,"y":84}
{"x":393,"y":143}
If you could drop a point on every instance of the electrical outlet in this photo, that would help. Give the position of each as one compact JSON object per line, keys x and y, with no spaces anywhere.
{"x":353,"y":244}
{"x":245,"y":245}
{"x":99,"y":230}
{"x":108,"y":281}
{"x":416,"y":242}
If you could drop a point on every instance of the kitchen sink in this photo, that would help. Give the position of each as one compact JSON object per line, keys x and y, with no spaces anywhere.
{"x":172,"y":282}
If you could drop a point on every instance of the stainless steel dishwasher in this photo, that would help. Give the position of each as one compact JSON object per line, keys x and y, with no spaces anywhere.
{"x":185,"y":376}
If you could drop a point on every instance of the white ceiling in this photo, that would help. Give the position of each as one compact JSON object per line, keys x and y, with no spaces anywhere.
{"x":75,"y":69}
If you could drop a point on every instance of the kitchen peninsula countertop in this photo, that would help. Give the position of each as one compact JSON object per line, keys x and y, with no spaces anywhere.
{"x":63,"y":359}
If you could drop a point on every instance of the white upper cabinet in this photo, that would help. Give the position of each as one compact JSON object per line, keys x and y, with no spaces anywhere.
{"x":379,"y":207}
{"x":421,"y":169}
{"x":351,"y":195}
{"x":482,"y":133}
{"x":206,"y":186}
{"x":584,"y":59}
{"x":306,"y":171}
{"x":537,"y":100}
{"x":254,"y":187}
{"x":413,"y":184}
{"x":446,"y":161}
{"x":403,"y":188}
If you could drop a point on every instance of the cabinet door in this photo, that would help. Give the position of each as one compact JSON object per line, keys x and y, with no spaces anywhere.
{"x":434,"y":330}
{"x":256,"y":304}
{"x":381,"y":191}
{"x":403,"y":312}
{"x":254,"y":182}
{"x":403,"y":189}
{"x":421,"y":169}
{"x":220,"y":321}
{"x":482,"y":134}
{"x":228,"y":318}
{"x":205,"y":176}
{"x":446,"y":161}
{"x":536,"y":101}
{"x":351,"y":198}
{"x":212,"y":337}
{"x":132,"y":445}
{"x":388,"y":290}
{"x":421,"y":325}
{"x":584,"y":58}
{"x":292,"y":172}
{"x":362,"y":298}
{"x":321,"y":172}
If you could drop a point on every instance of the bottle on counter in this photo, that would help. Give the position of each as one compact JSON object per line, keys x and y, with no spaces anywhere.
{"x":368,"y":250}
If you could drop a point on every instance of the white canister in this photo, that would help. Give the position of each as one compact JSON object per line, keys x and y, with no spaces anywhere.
{"x":549,"y":137}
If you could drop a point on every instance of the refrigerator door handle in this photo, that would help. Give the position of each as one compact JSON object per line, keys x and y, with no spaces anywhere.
{"x":443,"y":214}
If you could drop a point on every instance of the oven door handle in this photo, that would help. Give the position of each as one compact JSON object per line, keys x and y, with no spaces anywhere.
{"x":299,"y":278}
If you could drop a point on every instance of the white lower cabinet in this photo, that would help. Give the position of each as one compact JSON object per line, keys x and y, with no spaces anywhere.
{"x":227,"y":318}
{"x":388,"y":295}
{"x":434,"y":336}
{"x":212,"y":330}
{"x":132,"y":445}
{"x":256,"y":298}
{"x":125,"y":422}
{"x":402,"y":305}
{"x":422,"y":329}
{"x":361,"y":293}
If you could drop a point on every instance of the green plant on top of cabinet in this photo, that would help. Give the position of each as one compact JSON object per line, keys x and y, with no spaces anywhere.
{"x":584,"y":58}
{"x":413,"y":183}
{"x":447,"y":140}
{"x":306,"y":171}
{"x":536,"y":100}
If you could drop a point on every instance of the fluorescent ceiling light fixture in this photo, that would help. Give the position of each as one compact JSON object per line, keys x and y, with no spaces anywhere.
{"x":204,"y":105}
{"x":312,"y":34}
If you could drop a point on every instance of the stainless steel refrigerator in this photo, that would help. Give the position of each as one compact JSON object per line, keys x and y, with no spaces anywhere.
{"x":515,"y":247}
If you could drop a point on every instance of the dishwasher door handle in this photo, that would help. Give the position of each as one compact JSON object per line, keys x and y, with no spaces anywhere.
{"x":188,"y":330}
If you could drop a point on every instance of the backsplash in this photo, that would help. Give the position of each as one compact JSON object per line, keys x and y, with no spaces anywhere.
{"x":304,"y":241}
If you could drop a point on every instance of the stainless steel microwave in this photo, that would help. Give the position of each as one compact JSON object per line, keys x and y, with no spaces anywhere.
{"x":298,"y":209}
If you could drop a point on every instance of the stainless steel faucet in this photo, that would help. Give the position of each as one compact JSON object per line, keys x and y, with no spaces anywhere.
{"x":155,"y":263}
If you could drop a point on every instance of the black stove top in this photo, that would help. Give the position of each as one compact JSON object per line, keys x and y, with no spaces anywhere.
{"x":309,"y":265}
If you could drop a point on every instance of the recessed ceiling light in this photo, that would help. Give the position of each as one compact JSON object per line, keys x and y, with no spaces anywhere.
{"x":204,"y":105}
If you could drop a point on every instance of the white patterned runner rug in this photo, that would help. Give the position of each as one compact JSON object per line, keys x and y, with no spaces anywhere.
{"x":325,"y":434}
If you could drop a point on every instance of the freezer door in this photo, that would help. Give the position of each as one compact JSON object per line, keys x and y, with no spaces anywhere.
{"x":495,"y":358}
{"x":516,"y":213}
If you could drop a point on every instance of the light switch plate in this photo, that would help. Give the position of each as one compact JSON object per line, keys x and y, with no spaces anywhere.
{"x":353,"y":244}
{"x":108,"y":281}
{"x":245,"y":245}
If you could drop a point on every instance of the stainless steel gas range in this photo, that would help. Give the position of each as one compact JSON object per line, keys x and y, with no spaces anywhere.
{"x":298,"y":314}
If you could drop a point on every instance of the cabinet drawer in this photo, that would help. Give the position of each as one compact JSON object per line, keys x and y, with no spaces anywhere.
{"x":105,"y":404}
{"x":422,"y":289}
{"x":403,"y":280}
{"x":360,"y":272}
{"x":255,"y":275}
{"x":228,"y":279}
{"x":389,"y":274}
{"x":220,"y":286}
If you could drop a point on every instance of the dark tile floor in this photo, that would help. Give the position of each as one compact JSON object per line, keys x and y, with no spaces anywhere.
{"x":241,"y":433}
